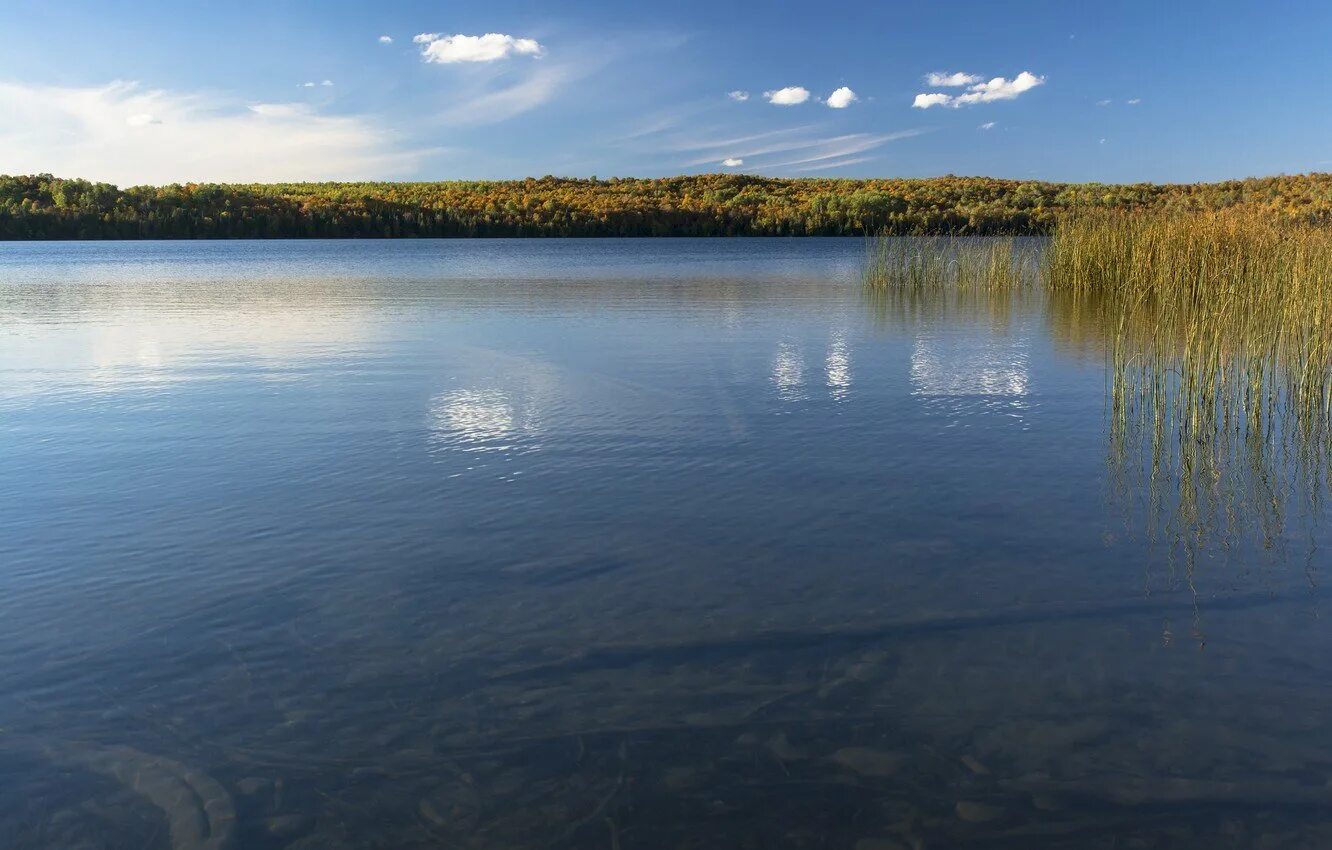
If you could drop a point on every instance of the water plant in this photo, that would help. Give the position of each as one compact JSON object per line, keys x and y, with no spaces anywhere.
{"x":996,"y":264}
{"x":1218,"y":333}
{"x":1216,"y":328}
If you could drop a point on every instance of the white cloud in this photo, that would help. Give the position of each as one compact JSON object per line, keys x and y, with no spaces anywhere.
{"x":386,"y":39}
{"x":1001,"y":89}
{"x":738,"y":95}
{"x":988,"y":125}
{"x":125,"y":134}
{"x":1134,"y":101}
{"x":732,"y":162}
{"x":925,"y":101}
{"x":490,"y":47}
{"x":306,"y":85}
{"x":1105,"y":102}
{"x":789,"y":96}
{"x":842,"y":98}
{"x":326,"y":83}
{"x":943,"y":78}
{"x":998,"y":88}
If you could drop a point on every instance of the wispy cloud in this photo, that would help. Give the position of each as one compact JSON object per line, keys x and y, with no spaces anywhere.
{"x":126,"y":134}
{"x":492,"y":107}
{"x":491,"y":47}
{"x":762,"y":144}
{"x":998,"y":88}
{"x":1134,"y":101}
{"x":1105,"y":102}
{"x":841,"y":163}
{"x":386,"y":39}
{"x":738,"y":95}
{"x":988,"y":125}
{"x":686,"y":145}
{"x":957,"y":78}
{"x":841,"y":98}
{"x":490,"y":93}
{"x":789,"y":96}
{"x":309,"y":84}
{"x":803,"y":150}
{"x":838,"y":147}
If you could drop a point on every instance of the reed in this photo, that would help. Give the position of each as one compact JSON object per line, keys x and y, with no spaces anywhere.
{"x":991,"y":264}
{"x":1217,"y":333}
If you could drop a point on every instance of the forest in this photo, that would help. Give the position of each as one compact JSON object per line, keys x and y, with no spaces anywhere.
{"x":46,"y":207}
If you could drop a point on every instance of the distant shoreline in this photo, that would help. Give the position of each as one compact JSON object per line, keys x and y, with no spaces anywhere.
{"x":43,"y":207}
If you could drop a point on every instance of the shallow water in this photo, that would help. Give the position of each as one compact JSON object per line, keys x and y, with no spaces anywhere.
{"x":612,"y":543}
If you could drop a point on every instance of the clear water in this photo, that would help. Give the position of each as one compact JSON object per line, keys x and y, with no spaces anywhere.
{"x":618,"y":544}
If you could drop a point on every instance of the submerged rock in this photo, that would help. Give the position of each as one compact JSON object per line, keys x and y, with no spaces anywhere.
{"x":452,"y":808}
{"x":975,"y":812}
{"x":198,"y":810}
{"x":780,"y":746}
{"x":431,"y":814}
{"x":251,"y":785}
{"x":319,"y":842}
{"x":975,"y":766}
{"x":868,"y":762}
{"x":282,"y":826}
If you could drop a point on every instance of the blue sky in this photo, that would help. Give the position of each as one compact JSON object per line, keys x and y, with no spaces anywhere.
{"x":173,"y":91}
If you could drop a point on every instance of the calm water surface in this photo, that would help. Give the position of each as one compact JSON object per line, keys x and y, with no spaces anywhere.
{"x":612,"y":544}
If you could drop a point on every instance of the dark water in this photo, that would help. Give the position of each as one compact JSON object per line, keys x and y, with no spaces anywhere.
{"x":613,"y":544}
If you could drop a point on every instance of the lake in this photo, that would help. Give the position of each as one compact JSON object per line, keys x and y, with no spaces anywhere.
{"x":621,"y":544}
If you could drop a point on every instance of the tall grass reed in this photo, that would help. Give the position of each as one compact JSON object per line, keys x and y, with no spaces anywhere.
{"x":1217,"y":332}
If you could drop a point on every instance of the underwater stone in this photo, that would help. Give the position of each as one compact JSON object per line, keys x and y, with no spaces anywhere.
{"x":283,"y":826}
{"x":975,"y":766}
{"x":974,"y":812}
{"x":782,"y":748}
{"x":869,"y":762}
{"x":251,"y":785}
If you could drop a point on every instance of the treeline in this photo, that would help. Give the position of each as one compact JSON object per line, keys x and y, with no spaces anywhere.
{"x":46,"y":207}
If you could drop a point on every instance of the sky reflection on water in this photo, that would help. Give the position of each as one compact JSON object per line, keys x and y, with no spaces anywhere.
{"x":652,"y":543}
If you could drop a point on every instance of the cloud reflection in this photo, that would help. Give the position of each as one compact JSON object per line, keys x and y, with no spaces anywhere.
{"x":837,"y":367}
{"x":964,"y":374}
{"x":475,"y":420}
{"x":788,"y":372}
{"x":485,"y":421}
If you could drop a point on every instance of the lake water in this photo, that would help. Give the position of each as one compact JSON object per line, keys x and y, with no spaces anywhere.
{"x":616,"y":544}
